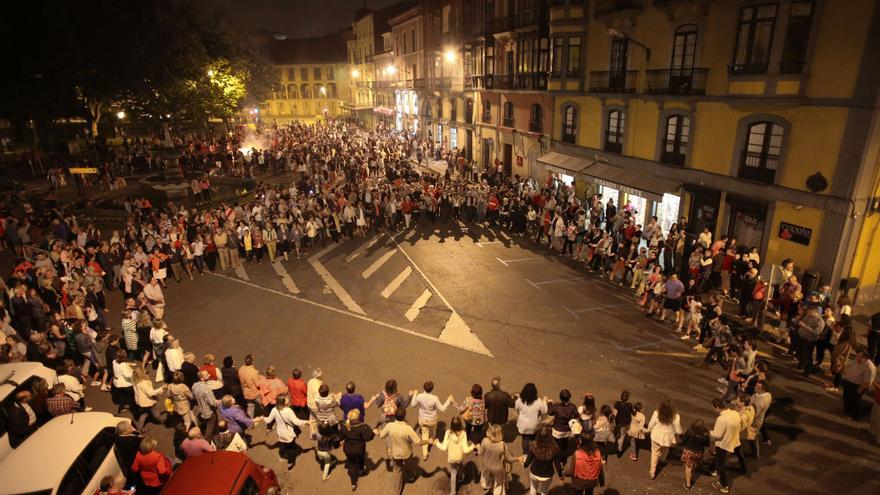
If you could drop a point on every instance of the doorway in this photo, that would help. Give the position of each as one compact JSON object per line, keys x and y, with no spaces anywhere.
{"x":508,"y":159}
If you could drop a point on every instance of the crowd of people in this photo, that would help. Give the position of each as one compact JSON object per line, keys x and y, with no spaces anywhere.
{"x":349,"y":182}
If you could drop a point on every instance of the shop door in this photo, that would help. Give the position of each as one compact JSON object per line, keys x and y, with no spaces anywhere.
{"x":703,"y":213}
{"x":487,"y":165}
{"x":508,"y":159}
{"x":747,"y":226}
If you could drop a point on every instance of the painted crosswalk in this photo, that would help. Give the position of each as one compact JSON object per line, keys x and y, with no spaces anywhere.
{"x":286,"y":279}
{"x":334,"y":284}
{"x":360,"y":250}
{"x":413,"y":312}
{"x":378,"y":264}
{"x":395,"y":284}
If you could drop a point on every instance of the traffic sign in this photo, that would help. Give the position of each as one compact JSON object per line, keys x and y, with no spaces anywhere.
{"x":83,"y":170}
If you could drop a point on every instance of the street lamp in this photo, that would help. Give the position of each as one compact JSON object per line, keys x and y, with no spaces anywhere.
{"x":120,"y":115}
{"x":323,"y":91}
{"x":623,"y":36}
{"x":355,"y":73}
{"x":449,"y":55}
{"x":390,"y":70}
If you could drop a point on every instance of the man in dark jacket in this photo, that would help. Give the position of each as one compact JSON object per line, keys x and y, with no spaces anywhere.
{"x":498,"y":403}
{"x":22,"y":419}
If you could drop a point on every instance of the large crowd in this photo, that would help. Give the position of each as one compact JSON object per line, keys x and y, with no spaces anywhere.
{"x":348,"y":182}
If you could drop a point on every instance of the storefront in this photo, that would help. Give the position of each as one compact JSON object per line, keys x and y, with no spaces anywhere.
{"x":453,"y":138}
{"x":746,"y":222}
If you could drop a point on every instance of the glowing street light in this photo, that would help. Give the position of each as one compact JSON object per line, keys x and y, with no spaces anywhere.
{"x":120,"y":115}
{"x":449,"y":55}
{"x":390,"y":70}
{"x":323,"y":91}
{"x":355,"y":73}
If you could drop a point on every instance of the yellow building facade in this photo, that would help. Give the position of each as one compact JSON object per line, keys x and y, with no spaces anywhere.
{"x":757,"y":120}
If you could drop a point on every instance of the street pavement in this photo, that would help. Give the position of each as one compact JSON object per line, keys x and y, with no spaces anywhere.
{"x":459,"y":306}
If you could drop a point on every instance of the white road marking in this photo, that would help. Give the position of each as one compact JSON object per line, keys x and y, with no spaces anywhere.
{"x":537,"y":284}
{"x":240,"y":273}
{"x":378,"y":264}
{"x":574,"y":312}
{"x":354,"y":315}
{"x":399,"y":279}
{"x":456,"y":332}
{"x":413,"y":312}
{"x":359,"y":251}
{"x":504,"y":235}
{"x":507,"y":262}
{"x":332,"y":283}
{"x":286,"y":279}
{"x":481,"y":244}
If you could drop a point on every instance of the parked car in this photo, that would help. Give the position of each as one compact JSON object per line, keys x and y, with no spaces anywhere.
{"x":69,"y":455}
{"x":222,"y":472}
{"x":15,"y":377}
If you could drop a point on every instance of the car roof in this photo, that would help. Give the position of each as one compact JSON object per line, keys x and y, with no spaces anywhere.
{"x":42,"y":460}
{"x":211,"y":472}
{"x":13,"y":374}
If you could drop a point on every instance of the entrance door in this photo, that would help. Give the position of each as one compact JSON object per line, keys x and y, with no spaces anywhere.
{"x":703,"y":213}
{"x":684,"y":49}
{"x":487,"y":165}
{"x":747,"y":225}
{"x":508,"y":159}
{"x":468,"y":145}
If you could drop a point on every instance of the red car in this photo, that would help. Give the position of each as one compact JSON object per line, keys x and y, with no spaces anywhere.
{"x":222,"y":473}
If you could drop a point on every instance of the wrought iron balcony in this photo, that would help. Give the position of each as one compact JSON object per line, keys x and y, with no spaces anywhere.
{"x":531,"y":81}
{"x":507,"y":122}
{"x":676,"y":81}
{"x":752,"y":68}
{"x":613,"y":81}
{"x":493,"y":81}
{"x":535,"y":126}
{"x":792,"y":66}
{"x":607,"y":7}
{"x":759,"y":167}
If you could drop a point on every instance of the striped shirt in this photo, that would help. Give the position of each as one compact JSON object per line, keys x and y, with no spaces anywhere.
{"x":205,"y":400}
{"x":61,"y":404}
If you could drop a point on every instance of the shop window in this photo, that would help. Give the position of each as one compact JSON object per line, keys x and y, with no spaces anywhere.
{"x":487,"y":112}
{"x":763,"y":148}
{"x":508,"y":114}
{"x":754,"y":37}
{"x":675,"y":140}
{"x":614,"y":125}
{"x":794,"y":50}
{"x":536,"y":118}
{"x":569,"y":124}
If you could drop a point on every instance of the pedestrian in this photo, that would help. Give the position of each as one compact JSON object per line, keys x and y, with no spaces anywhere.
{"x":298,"y":391}
{"x":355,"y":435}
{"x":473,"y":412}
{"x":286,"y":424}
{"x":195,"y":444}
{"x":726,"y":434}
{"x":622,"y":413}
{"x":270,"y":388}
{"x":456,"y":445}
{"x":665,"y":424}
{"x":542,"y":460}
{"x":637,"y":430}
{"x":857,"y":378}
{"x":695,"y":441}
{"x":250,"y":380}
{"x":401,"y":439}
{"x":206,"y":403}
{"x":531,"y":411}
{"x":498,"y":404}
{"x":181,"y":396}
{"x":429,"y":407}
{"x":562,"y":412}
{"x":585,"y":467}
{"x":153,"y":467}
{"x":495,"y":460}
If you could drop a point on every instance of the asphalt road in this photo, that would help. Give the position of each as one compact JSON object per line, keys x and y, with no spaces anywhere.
{"x":459,"y":307}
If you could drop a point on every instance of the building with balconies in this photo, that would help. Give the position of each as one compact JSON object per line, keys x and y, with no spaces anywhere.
{"x":755,"y":119}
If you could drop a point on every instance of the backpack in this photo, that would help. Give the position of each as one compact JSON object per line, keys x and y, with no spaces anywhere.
{"x":389,"y":405}
{"x":478,"y":411}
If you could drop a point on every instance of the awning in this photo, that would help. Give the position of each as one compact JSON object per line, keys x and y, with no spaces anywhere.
{"x":630,"y":181}
{"x":563,"y":164}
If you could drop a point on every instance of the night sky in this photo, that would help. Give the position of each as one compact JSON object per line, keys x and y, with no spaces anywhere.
{"x":295,"y":18}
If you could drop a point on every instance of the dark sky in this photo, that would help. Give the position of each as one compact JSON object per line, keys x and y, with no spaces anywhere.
{"x":296,"y":18}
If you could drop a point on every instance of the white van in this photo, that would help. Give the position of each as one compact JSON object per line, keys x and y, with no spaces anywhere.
{"x":67,"y":456}
{"x":15,"y":377}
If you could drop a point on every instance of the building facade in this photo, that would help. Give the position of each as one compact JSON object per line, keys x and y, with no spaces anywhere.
{"x":313,"y":79}
{"x":755,"y":119}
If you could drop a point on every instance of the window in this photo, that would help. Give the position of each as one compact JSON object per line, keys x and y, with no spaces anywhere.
{"x":446,"y":10}
{"x":569,"y":124}
{"x":317,"y":73}
{"x":331,"y":90}
{"x":536,"y":118}
{"x":87,"y":464}
{"x":614,"y":131}
{"x":403,"y":50}
{"x":453,"y":138}
{"x":469,"y":111}
{"x":291,"y":74}
{"x":331,"y":73}
{"x":675,"y":140}
{"x":753,"y":39}
{"x":412,"y":36}
{"x":304,"y":74}
{"x":487,"y":111}
{"x":490,"y":61}
{"x":794,"y":51}
{"x":760,"y":158}
{"x":684,"y":49}
{"x":453,"y":110}
{"x":292,"y":92}
{"x":556,"y":57}
{"x":573,"y":68}
{"x":508,"y":114}
{"x":305,"y":91}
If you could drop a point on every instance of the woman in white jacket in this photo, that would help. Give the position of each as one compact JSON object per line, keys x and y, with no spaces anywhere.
{"x":665,"y":424}
{"x":456,"y":445}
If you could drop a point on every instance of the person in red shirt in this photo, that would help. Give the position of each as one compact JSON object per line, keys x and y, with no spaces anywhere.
{"x":298,"y":394}
{"x":153,"y":467}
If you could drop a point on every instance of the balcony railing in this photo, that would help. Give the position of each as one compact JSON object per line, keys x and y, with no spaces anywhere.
{"x":529,"y":17}
{"x":469,"y":82}
{"x":676,"y":81}
{"x":759,"y":167}
{"x":671,"y":157}
{"x":531,"y":81}
{"x":535,"y":126}
{"x":613,"y":146}
{"x":752,"y":68}
{"x":613,"y":81}
{"x":606,"y":7}
{"x":507,"y":122}
{"x":486,"y":117}
{"x":501,"y":24}
{"x":493,"y":81}
{"x":792,"y":67}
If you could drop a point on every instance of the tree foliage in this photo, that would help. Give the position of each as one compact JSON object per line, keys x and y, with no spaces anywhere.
{"x":152,"y":58}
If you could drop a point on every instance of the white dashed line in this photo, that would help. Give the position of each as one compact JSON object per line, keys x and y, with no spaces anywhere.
{"x":359,"y":251}
{"x":332,"y":283}
{"x":378,"y":264}
{"x":413,"y":312}
{"x":393,"y":286}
